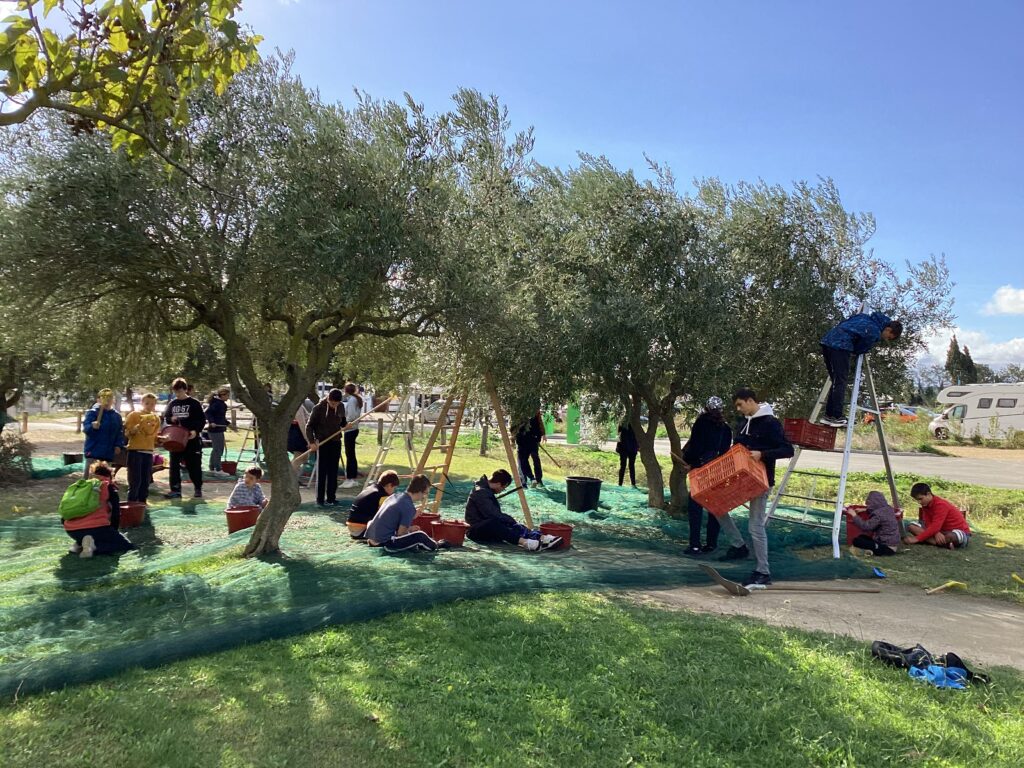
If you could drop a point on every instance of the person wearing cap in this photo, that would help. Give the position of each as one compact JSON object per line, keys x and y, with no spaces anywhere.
{"x":323,"y":429}
{"x":104,"y":431}
{"x":710,"y":437}
{"x":217,"y":425}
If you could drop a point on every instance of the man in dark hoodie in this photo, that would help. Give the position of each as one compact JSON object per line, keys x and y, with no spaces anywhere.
{"x":761,"y":433}
{"x":323,"y":433}
{"x":489,"y":525}
{"x":185,"y":411}
{"x":854,"y":336}
{"x":710,"y":437}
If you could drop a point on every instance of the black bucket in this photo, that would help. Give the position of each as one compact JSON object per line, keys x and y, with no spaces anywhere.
{"x":73,"y":458}
{"x":582,"y":493}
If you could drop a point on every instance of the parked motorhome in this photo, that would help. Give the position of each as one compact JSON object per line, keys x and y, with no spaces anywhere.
{"x":987,"y":410}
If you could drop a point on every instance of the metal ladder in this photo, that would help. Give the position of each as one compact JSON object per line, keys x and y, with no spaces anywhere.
{"x":863,"y":367}
{"x":399,"y":426}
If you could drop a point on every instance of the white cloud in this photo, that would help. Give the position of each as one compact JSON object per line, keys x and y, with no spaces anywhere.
{"x":1007,"y":300}
{"x":6,"y":9}
{"x":983,"y":349}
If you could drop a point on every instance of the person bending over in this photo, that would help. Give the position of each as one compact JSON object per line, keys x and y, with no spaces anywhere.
{"x":941,"y":523}
{"x":882,"y":520}
{"x":489,"y":525}
{"x":95,"y":533}
{"x":854,"y":336}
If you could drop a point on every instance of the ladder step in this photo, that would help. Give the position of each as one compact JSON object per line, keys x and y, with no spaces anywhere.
{"x":808,"y":498}
{"x":795,"y":521}
{"x":808,"y":473}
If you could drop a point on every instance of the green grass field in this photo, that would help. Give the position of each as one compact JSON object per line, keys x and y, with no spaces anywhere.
{"x":544,"y":680}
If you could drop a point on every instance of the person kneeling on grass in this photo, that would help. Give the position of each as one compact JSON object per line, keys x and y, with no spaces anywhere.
{"x":392,"y":528}
{"x":95,"y":533}
{"x":248,"y":492}
{"x":941,"y":523}
{"x":882,"y":520}
{"x":368,"y":502}
{"x":489,"y":525}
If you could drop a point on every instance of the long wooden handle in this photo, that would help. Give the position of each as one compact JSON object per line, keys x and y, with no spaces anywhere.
{"x":297,"y":461}
{"x":774,"y":588}
{"x":553,"y":461}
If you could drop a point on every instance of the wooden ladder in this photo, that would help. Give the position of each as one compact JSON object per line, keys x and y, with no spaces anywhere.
{"x":438,"y":473}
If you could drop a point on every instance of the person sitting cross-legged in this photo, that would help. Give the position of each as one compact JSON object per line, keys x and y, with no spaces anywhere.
{"x":489,"y":525}
{"x":368,"y":502}
{"x":392,"y":528}
{"x":941,"y":523}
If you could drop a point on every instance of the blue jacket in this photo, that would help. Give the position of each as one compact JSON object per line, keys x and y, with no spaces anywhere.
{"x":100,"y":443}
{"x":217,"y":415}
{"x":763,"y":432}
{"x":857,"y":334}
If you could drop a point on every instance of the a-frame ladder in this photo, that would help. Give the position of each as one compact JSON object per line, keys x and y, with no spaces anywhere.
{"x":438,"y":473}
{"x":863,"y":371}
{"x":399,"y":428}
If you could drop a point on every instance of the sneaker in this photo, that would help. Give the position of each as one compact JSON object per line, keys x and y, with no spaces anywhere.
{"x":757,"y":579}
{"x":197,"y":495}
{"x":538,"y":484}
{"x":707,"y":549}
{"x":74,"y":549}
{"x":736,"y":553}
{"x":693,"y":551}
{"x":531,"y":545}
{"x":444,"y":544}
{"x":172,"y":495}
{"x":828,"y":421}
{"x":88,"y":547}
{"x":550,"y":542}
{"x":349,"y":484}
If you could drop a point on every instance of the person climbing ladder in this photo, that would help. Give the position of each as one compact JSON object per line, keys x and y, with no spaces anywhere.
{"x":856,"y":335}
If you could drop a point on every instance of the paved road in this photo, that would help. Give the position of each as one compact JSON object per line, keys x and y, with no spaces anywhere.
{"x":992,"y":472}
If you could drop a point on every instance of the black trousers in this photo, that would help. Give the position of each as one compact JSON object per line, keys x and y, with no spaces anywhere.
{"x":108,"y":540}
{"x":526,"y":453}
{"x":495,"y":530}
{"x":837,"y":363}
{"x":351,"y":463}
{"x":193,"y":458}
{"x":327,"y":471}
{"x":140,"y":473}
{"x":696,"y":514}
{"x":866,"y":542}
{"x":631,"y":460}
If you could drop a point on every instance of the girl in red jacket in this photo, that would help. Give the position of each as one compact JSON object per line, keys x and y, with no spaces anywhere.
{"x":96,"y":533}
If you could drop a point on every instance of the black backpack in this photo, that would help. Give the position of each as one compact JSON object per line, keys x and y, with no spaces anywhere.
{"x":919,"y":656}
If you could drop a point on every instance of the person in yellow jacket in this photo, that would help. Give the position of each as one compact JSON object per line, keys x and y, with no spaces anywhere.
{"x":141,"y":429}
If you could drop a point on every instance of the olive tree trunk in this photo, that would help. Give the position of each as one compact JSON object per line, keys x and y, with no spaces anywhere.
{"x":284,"y":485}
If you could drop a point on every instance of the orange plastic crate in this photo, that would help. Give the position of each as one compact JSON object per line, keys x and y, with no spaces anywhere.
{"x":729,"y":481}
{"x":807,"y":435}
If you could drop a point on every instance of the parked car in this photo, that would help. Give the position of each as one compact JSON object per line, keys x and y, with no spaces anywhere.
{"x":985,"y":410}
{"x":432,"y":412}
{"x":905,"y":413}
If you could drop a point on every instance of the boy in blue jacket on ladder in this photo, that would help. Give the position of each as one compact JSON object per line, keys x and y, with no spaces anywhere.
{"x":856,"y":335}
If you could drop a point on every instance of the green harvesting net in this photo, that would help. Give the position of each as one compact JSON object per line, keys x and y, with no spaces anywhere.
{"x":187,"y":591}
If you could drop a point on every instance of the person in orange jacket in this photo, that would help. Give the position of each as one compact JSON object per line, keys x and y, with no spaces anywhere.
{"x":96,"y":533}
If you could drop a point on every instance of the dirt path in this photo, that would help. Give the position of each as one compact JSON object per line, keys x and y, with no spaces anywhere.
{"x":978,"y":452}
{"x":985,"y":632}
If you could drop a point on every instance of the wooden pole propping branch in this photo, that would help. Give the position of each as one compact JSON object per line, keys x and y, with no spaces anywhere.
{"x":499,"y":414}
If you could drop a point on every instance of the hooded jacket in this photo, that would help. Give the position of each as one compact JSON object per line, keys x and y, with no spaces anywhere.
{"x":881,"y":520}
{"x":483,"y":506}
{"x":100,"y":443}
{"x":857,"y":334}
{"x":324,"y":421}
{"x":763,"y":432}
{"x":709,"y":439}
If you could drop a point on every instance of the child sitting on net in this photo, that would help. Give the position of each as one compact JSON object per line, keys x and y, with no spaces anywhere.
{"x":489,"y":525}
{"x":392,"y":528}
{"x":248,"y":492}
{"x":882,"y":520}
{"x":369,"y":501}
{"x":91,"y":513}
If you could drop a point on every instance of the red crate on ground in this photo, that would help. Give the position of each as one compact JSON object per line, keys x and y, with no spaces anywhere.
{"x":729,"y":481}
{"x":852,"y":531}
{"x":807,"y":435}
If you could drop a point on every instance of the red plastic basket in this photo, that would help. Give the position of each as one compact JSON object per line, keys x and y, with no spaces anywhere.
{"x":240,"y":518}
{"x":729,"y":481}
{"x":452,"y":531}
{"x":558,"y":529}
{"x":808,"y":435}
{"x":132,"y":513}
{"x":852,"y":531}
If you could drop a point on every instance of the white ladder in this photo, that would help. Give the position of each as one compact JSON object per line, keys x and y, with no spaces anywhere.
{"x":863,"y":367}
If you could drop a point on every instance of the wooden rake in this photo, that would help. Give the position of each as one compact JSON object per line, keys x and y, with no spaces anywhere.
{"x":738,"y":590}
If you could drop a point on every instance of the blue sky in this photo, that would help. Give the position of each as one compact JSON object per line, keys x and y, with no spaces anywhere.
{"x":914,"y":108}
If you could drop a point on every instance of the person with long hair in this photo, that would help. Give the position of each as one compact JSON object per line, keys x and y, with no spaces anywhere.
{"x":710,"y":437}
{"x":353,"y":410}
{"x":627,"y":447}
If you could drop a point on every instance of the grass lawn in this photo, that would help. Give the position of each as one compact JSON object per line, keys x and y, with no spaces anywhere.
{"x":552,"y":679}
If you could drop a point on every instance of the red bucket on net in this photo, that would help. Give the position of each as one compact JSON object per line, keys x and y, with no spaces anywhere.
{"x":732,"y":479}
{"x":425,"y":522}
{"x":852,"y":531}
{"x":132,"y":513}
{"x":173,"y":438}
{"x":241,"y":517}
{"x":230,"y":467}
{"x":558,"y":529}
{"x":452,"y":531}
{"x":808,"y":435}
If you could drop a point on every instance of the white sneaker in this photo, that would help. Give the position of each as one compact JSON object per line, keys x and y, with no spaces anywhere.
{"x":349,"y":484}
{"x":74,"y":549}
{"x":88,"y":547}
{"x":531,"y":545}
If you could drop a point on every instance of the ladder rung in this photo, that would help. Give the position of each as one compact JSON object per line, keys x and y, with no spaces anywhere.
{"x":793,"y":520}
{"x":809,"y":498}
{"x":868,"y":410}
{"x":814,"y":474}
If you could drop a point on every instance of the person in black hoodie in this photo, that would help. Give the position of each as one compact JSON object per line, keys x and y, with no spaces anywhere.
{"x":489,"y":525}
{"x":187,"y":412}
{"x":528,"y":439}
{"x":709,"y":439}
{"x":627,"y":447}
{"x":322,"y":431}
{"x":761,"y":433}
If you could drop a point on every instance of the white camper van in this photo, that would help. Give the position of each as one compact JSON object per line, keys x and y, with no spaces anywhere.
{"x":987,"y":410}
